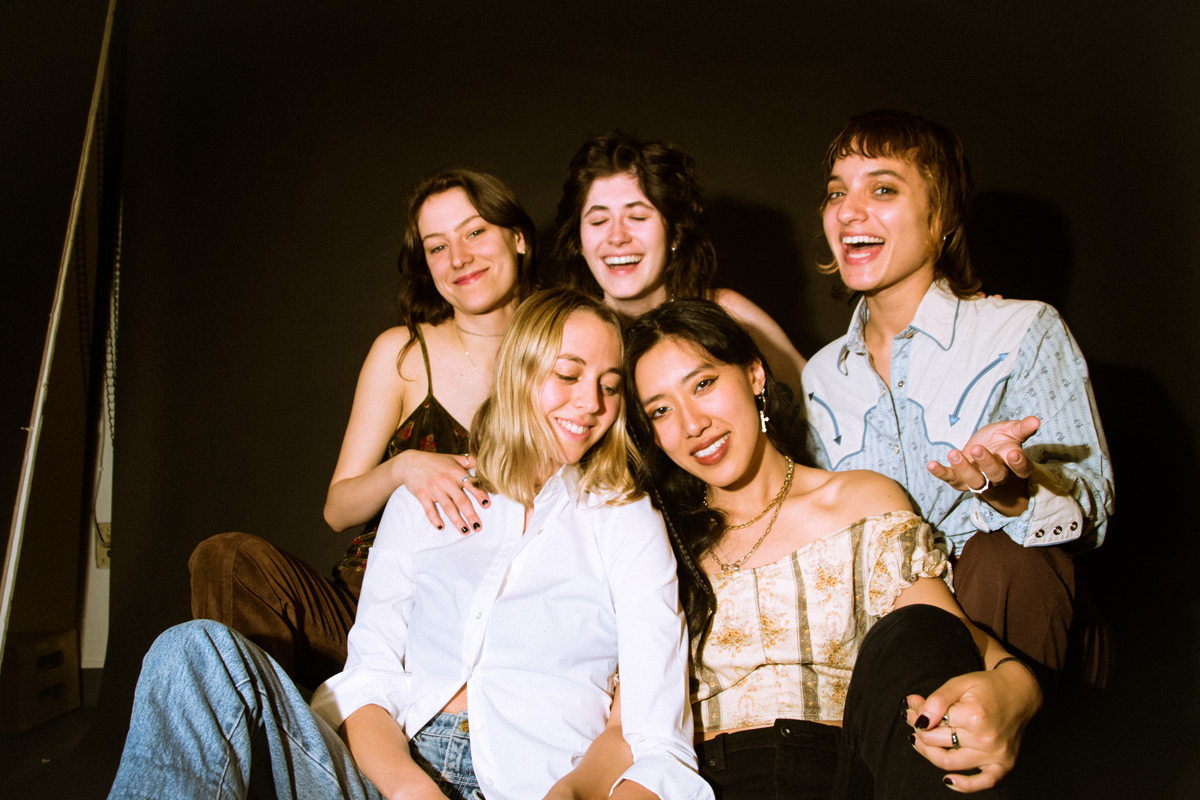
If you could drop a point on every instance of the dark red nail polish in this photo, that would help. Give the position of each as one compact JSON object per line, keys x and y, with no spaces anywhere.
{"x":922,"y":723}
{"x":946,"y":780}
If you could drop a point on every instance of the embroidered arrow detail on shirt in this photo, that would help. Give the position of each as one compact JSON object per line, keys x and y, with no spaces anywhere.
{"x":971,"y":385}
{"x":837,"y":434}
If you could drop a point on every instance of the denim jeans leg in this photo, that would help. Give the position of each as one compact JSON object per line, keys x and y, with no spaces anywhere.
{"x":214,"y":716}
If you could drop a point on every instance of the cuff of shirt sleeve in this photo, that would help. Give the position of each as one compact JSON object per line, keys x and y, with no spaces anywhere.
{"x":667,"y":778}
{"x":986,"y":518}
{"x":1055,"y":516}
{"x":342,"y":695}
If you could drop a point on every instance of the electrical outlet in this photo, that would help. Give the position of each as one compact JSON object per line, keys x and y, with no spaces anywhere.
{"x":103,"y":544}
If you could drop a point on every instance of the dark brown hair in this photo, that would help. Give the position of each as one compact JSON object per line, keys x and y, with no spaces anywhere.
{"x":495,"y":202}
{"x":667,"y":176}
{"x":938,"y":155}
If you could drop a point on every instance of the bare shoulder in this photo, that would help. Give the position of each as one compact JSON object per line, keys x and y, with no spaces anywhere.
{"x":384,"y":362}
{"x":864,"y":493}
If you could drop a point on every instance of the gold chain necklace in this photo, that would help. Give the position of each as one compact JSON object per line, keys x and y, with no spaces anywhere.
{"x":735,"y":566}
{"x":787,"y":484}
{"x":467,"y":353}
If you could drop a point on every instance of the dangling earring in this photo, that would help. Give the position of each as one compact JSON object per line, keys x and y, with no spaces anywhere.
{"x":761,"y":400}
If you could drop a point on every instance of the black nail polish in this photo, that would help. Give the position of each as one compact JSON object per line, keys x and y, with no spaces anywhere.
{"x":464,"y":529}
{"x":912,"y":739}
{"x":483,"y":502}
{"x":922,"y":723}
{"x":946,"y":780}
{"x":439,"y":527}
{"x":475,"y":525}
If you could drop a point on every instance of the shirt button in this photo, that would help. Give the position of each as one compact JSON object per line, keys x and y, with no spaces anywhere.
{"x":1074,"y":525}
{"x":489,"y":781}
{"x":1057,"y":530}
{"x":1041,"y":532}
{"x":896,"y":449}
{"x":478,"y":614}
{"x":899,"y":384}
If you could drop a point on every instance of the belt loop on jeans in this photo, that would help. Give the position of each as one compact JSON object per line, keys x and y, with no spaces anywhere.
{"x":714,"y":752}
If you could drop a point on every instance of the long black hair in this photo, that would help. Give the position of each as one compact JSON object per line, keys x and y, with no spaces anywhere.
{"x":693,"y":527}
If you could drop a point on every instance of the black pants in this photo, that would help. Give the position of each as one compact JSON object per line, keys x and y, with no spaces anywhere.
{"x":913,"y":650}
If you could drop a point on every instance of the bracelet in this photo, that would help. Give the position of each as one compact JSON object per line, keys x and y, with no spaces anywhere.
{"x":1019,"y":661}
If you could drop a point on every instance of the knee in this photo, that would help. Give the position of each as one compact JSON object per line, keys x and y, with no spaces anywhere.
{"x":230,"y":558}
{"x":915,"y":627}
{"x":190,"y":643}
{"x":994,"y":564}
{"x":216,"y":552}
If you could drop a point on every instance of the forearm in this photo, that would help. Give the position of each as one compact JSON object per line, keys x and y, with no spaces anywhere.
{"x":382,"y":753}
{"x":603,"y":763}
{"x":355,"y":500}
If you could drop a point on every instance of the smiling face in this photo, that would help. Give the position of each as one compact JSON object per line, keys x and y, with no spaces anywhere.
{"x":702,"y":411}
{"x":581,"y":396}
{"x":877,"y":222}
{"x":624,"y":241}
{"x":472,"y":261}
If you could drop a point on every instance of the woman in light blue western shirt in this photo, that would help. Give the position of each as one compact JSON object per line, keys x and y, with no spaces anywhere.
{"x":979,"y":407}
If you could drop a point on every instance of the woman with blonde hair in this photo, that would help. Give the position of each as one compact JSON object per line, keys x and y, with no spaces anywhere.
{"x":483,"y":662}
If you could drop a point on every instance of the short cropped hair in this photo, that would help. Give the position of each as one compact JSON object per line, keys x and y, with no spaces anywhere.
{"x":667,"y":176}
{"x":511,"y":438}
{"x":937,"y":153}
{"x":419,"y":298}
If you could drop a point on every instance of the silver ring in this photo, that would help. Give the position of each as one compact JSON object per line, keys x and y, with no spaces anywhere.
{"x":463,"y":480}
{"x":987,"y":484}
{"x":954,"y":743}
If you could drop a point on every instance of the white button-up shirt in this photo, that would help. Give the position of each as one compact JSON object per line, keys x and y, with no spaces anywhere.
{"x":534,"y":620}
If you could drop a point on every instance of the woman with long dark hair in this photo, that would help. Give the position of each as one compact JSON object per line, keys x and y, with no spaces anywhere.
{"x":817,"y":601}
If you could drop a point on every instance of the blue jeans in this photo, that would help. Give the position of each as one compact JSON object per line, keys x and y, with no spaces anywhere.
{"x":210,"y":705}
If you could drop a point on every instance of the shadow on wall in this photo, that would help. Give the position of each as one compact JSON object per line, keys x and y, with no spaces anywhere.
{"x":760,"y":256}
{"x":1022,"y":248}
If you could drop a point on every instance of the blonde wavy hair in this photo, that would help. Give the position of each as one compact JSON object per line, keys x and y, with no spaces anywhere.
{"x":513,"y":443}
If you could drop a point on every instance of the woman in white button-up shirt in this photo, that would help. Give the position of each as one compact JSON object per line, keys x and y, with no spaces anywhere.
{"x":482,"y":662}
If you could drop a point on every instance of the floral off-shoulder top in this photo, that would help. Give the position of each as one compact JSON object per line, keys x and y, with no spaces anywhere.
{"x":785,"y":635}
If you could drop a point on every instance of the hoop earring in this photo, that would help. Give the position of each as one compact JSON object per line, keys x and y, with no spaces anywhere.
{"x":760,"y":400}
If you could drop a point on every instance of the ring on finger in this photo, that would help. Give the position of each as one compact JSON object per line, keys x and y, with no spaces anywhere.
{"x":463,"y":480}
{"x":954,"y":743}
{"x":987,"y":484}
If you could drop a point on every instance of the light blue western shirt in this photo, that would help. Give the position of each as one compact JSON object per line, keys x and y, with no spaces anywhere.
{"x":958,"y":366}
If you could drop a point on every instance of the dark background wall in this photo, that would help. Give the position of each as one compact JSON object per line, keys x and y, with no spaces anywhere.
{"x":269,"y":147}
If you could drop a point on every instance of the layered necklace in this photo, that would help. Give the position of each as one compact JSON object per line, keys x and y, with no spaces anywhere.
{"x":776,"y":504}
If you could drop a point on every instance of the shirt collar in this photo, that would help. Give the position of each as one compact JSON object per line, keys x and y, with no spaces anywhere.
{"x":936,"y":317}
